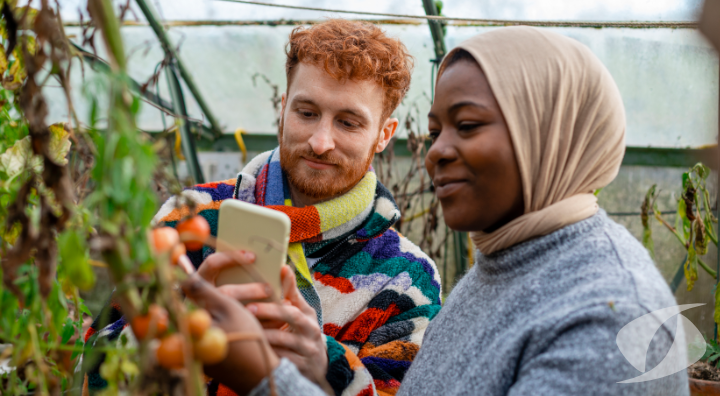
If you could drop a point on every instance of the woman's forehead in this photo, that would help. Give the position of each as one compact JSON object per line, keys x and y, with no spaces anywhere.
{"x":463,"y":81}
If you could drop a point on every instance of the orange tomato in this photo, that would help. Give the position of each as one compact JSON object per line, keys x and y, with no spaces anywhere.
{"x":177,"y":251}
{"x":193,"y":232}
{"x":212,"y":348}
{"x":157,"y":318}
{"x":198,"y":322}
{"x":170,"y":354}
{"x":164,"y":239}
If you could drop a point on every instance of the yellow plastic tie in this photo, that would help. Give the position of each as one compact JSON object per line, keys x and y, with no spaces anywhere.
{"x":241,"y":143}
{"x":178,"y":145}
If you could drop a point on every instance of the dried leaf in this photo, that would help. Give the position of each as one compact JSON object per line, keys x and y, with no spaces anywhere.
{"x":59,"y":146}
{"x":3,"y":61}
{"x":15,"y":159}
{"x":691,"y":268}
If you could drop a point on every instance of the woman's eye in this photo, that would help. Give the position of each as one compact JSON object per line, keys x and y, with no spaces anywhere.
{"x":468,"y":126}
{"x":433,"y":135}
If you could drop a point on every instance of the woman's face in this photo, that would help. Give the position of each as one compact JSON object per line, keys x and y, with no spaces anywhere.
{"x":472,"y":160}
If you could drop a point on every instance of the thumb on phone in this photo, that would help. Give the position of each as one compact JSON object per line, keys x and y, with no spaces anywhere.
{"x":291,"y":291}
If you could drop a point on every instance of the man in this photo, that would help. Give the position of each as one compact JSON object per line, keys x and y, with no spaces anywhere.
{"x":373,"y":291}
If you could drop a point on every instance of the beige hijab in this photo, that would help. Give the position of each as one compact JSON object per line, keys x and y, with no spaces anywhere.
{"x":566,"y":121}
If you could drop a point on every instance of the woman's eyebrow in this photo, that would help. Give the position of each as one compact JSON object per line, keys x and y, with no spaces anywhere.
{"x":459,"y":105}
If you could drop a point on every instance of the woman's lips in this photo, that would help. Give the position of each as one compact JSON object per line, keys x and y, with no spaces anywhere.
{"x":317,"y":165}
{"x":449,"y":188}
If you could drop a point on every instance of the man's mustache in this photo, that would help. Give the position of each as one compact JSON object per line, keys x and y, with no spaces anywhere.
{"x":325,"y":157}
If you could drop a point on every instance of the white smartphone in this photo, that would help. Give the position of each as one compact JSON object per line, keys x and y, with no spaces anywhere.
{"x":263,"y":231}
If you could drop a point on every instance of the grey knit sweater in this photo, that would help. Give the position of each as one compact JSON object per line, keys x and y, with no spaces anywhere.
{"x":541,"y":318}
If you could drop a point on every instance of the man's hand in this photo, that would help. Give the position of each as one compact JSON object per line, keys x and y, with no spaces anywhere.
{"x":293,"y":331}
{"x":216,"y":262}
{"x":248,"y":360}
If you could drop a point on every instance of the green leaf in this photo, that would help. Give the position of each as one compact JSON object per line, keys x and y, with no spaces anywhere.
{"x":682,"y":214}
{"x":67,"y":331}
{"x":648,"y":242}
{"x":84,"y":309}
{"x":74,"y":256}
{"x":78,"y":347}
{"x":716,"y":313}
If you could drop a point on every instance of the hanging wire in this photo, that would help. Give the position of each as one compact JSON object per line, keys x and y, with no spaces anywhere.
{"x":500,"y":22}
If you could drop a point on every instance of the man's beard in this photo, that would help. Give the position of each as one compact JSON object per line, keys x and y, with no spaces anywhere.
{"x":322,"y":184}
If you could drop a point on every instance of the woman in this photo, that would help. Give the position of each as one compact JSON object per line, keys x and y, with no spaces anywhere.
{"x":526,"y":125}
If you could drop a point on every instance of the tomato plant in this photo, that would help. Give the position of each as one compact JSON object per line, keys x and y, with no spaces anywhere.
{"x":695,"y":225}
{"x":75,"y":195}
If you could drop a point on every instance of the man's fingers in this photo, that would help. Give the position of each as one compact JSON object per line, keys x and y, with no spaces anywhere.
{"x":291,"y":291}
{"x":273,"y":312}
{"x":247,"y":292}
{"x":217,"y":262}
{"x":289,"y":285}
{"x":284,"y":340}
{"x":294,"y":357}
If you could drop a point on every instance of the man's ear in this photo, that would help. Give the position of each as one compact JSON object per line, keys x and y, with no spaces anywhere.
{"x":386,"y":133}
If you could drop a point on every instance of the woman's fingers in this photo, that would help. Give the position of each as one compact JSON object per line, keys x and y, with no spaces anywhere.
{"x":216,"y":262}
{"x":209,"y":297}
{"x":186,"y":265}
{"x":247,"y":291}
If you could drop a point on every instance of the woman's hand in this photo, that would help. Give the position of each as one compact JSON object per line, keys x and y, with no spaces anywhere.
{"x":248,"y":360}
{"x":293,"y":331}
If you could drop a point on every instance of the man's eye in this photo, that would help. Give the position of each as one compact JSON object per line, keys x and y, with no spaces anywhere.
{"x":434,"y":135}
{"x":349,"y":124}
{"x":306,"y":114}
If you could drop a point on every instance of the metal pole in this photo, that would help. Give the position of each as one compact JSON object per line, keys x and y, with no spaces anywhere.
{"x":717,"y":201}
{"x":436,"y":29}
{"x":188,"y":143}
{"x":149,"y":13}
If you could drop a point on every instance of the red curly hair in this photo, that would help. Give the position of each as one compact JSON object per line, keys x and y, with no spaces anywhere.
{"x":353,"y":50}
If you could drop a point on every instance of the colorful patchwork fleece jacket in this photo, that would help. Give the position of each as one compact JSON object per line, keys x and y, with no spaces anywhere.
{"x":373,"y":290}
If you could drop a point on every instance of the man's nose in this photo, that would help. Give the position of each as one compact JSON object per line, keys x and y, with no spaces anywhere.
{"x":322,"y":140}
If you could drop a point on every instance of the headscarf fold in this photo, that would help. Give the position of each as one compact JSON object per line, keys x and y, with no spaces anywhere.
{"x":566,"y":121}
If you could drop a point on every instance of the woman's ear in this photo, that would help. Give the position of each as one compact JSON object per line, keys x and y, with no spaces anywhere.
{"x":386,"y":133}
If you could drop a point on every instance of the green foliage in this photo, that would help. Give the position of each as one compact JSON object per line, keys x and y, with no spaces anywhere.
{"x":74,"y":259}
{"x":712,"y":353}
{"x":695,"y":225}
{"x":646,"y":217}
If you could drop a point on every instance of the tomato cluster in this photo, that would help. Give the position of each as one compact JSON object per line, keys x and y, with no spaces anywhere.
{"x":192,"y":232}
{"x":209,"y":344}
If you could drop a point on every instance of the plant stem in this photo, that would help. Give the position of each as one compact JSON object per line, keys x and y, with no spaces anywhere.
{"x":708,"y":269}
{"x":150,"y":15}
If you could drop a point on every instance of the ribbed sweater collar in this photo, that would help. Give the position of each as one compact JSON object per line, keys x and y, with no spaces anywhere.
{"x":522,"y":257}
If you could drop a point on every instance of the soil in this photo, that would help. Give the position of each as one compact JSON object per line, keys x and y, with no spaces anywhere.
{"x":704,"y":371}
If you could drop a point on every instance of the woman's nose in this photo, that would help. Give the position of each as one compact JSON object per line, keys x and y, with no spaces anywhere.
{"x":442,"y":150}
